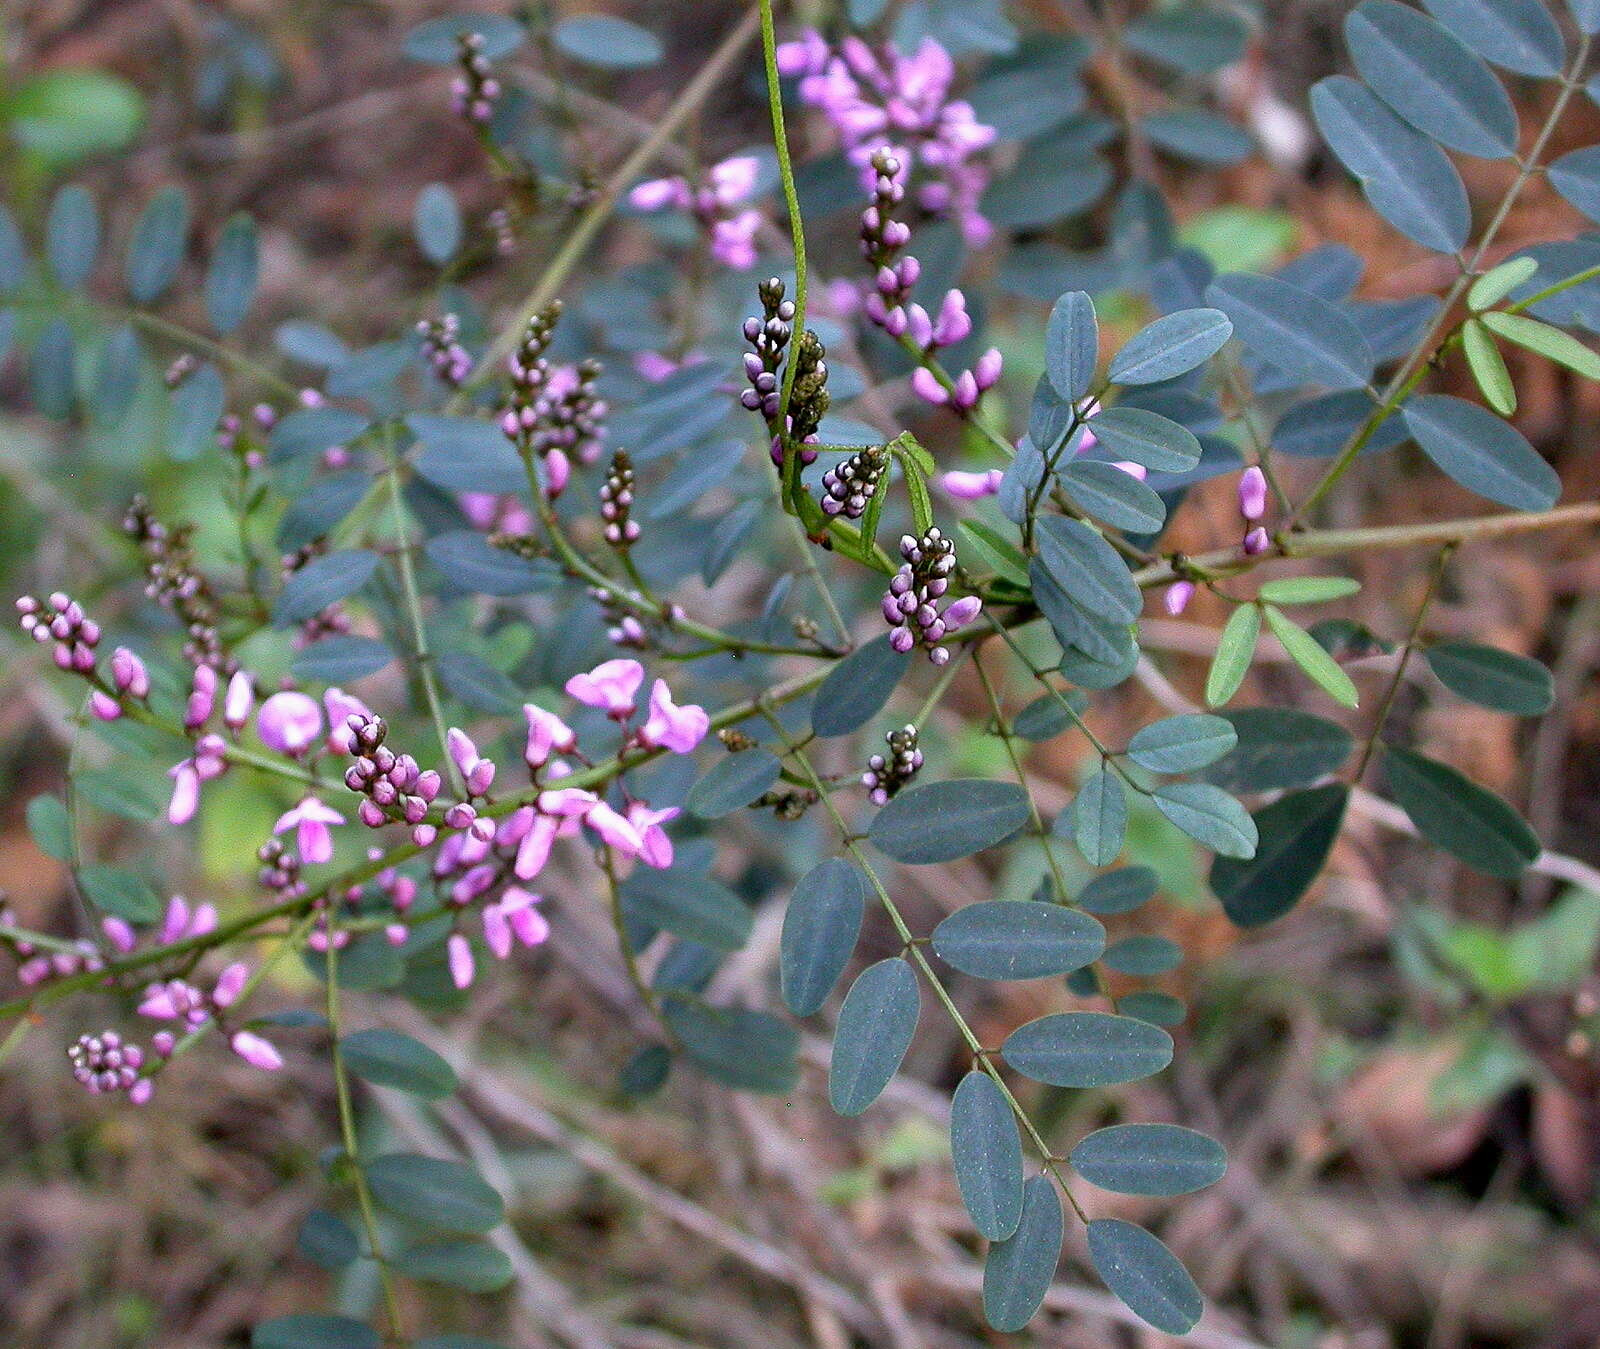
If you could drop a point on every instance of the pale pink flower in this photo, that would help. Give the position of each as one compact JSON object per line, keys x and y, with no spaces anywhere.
{"x":655,"y":847}
{"x":513,"y":917}
{"x":310,"y":820}
{"x":458,"y":953}
{"x":613,"y":829}
{"x":239,"y":699}
{"x":547,"y":735}
{"x":289,"y":722}
{"x":670,"y":726}
{"x":971,"y":486}
{"x":255,"y":1051}
{"x":611,"y":686}
{"x":185,"y":792}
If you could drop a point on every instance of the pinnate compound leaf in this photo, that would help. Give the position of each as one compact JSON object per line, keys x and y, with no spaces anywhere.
{"x":1100,"y":817}
{"x":1149,"y":1159}
{"x":1481,"y":452}
{"x":941,"y":821}
{"x":230,"y":286}
{"x":1279,"y":747}
{"x":1085,"y":566}
{"x":1295,"y":331}
{"x":1493,"y":678}
{"x":471,"y":1265}
{"x":733,"y":781}
{"x":986,"y":1151}
{"x":1517,"y":35}
{"x":608,"y":42}
{"x":1112,"y":494}
{"x":1544,"y":340}
{"x":155,"y":252}
{"x":1171,"y":346}
{"x":856,"y":689}
{"x":1488,"y":367}
{"x":1209,"y":816}
{"x":1408,"y":179}
{"x":1150,"y":1279}
{"x":1498,"y":282}
{"x":435,"y":1193}
{"x":1072,"y":345}
{"x":876,"y":1023}
{"x":1018,"y":939}
{"x":313,"y":1332}
{"x":1087,"y":1049}
{"x":820,"y":928}
{"x":1307,"y":653}
{"x":1297,"y":832}
{"x":1452,"y":812}
{"x":1308,"y":589}
{"x":1431,"y":78}
{"x":1019,"y":1270}
{"x":1144,"y":437}
{"x":1119,"y":891}
{"x":740,"y":1048}
{"x":1183,"y":743}
{"x":1236,"y":648}
{"x":388,"y":1058}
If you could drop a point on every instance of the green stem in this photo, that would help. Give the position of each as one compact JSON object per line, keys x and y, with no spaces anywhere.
{"x":1406,"y":377}
{"x":914,"y":951}
{"x":177,"y":333}
{"x":791,"y":202}
{"x":352,"y":1152}
{"x":418,"y":629}
{"x":1406,"y":650}
{"x":599,"y":210}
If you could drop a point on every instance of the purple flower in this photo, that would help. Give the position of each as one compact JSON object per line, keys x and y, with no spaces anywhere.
{"x":1177,"y":598}
{"x":1252,"y":493}
{"x":614,"y":829}
{"x":230,"y":983}
{"x":104,"y":706}
{"x":669,"y":726}
{"x":289,"y":722}
{"x":310,"y":820}
{"x":128,"y":673}
{"x":1256,"y":542}
{"x":610,"y":686}
{"x":341,"y":707}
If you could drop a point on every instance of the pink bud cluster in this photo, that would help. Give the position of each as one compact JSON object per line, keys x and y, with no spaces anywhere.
{"x":106,"y":1063}
{"x":728,"y":186}
{"x":553,"y":412}
{"x":395,"y":786}
{"x":60,"y":619}
{"x":441,"y":348}
{"x":474,"y":92}
{"x":884,"y":96}
{"x":910,"y":605}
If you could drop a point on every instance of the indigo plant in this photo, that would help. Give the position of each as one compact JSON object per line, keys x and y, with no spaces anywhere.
{"x":454,"y":616}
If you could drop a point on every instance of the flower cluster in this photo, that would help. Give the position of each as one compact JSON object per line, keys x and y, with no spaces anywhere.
{"x":616,"y":502}
{"x":473,"y":92}
{"x":106,"y":1063}
{"x":875,"y":97}
{"x":847,"y":488}
{"x":60,"y":619}
{"x":441,"y":348}
{"x":808,"y":398}
{"x":715,"y":204}
{"x":910,"y":605}
{"x":887,"y":774}
{"x":175,"y":582}
{"x":553,"y":413}
{"x":890,"y":306}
